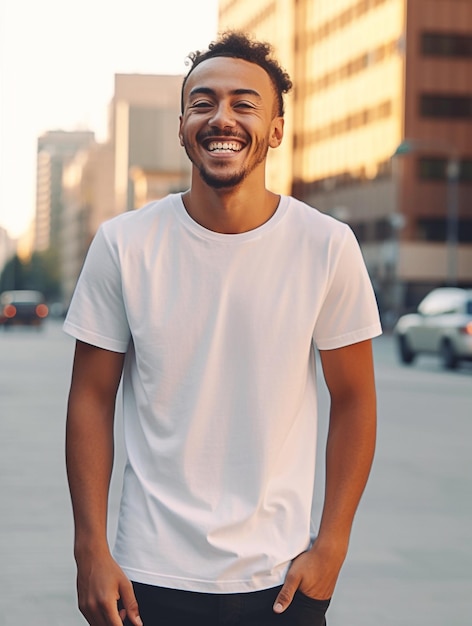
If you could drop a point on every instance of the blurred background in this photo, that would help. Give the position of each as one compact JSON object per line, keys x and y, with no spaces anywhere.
{"x":378,"y":134}
{"x":378,"y":128}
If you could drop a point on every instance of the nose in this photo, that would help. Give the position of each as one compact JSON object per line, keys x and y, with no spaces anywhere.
{"x":222,"y":116}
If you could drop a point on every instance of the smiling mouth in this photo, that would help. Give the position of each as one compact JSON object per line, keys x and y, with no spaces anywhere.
{"x":224,"y":146}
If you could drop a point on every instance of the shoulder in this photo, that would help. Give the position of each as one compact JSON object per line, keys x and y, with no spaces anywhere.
{"x":140,"y":224}
{"x":142,"y":217}
{"x":312,"y":223}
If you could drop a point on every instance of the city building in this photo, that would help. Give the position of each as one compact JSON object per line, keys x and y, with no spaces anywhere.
{"x":88,"y":193}
{"x":25,"y":243}
{"x":7,"y":251}
{"x":143,"y":131}
{"x":55,"y":149}
{"x":382,"y":128}
{"x":140,"y":161}
{"x":272,"y":21}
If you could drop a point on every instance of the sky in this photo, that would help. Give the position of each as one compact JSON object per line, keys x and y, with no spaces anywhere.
{"x":57,"y":65}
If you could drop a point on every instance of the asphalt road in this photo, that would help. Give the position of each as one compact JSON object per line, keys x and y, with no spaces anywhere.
{"x":410,"y":558}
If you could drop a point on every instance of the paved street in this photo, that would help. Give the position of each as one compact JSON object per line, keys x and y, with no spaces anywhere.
{"x":410,"y":560}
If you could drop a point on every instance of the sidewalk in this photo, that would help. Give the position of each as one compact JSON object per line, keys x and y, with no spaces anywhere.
{"x":411,"y":551}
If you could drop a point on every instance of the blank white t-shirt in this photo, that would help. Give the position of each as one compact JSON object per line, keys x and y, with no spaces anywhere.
{"x":219,"y":386}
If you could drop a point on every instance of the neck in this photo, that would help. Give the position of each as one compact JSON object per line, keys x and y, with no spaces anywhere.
{"x":230,"y":211}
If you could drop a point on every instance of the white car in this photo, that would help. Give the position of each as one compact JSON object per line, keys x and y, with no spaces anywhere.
{"x":442,"y":326}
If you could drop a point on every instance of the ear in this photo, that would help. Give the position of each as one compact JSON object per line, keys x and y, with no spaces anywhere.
{"x":277,"y":132}
{"x":180,"y":131}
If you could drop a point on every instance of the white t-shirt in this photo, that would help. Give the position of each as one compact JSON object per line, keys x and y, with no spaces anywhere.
{"x":219,"y":386}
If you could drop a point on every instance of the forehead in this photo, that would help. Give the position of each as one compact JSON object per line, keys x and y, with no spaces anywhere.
{"x":225,"y":74}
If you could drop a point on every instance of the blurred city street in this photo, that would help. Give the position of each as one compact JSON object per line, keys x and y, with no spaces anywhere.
{"x":410,"y":560}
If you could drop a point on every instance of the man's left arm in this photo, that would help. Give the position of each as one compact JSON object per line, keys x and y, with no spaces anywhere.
{"x":349,"y":376}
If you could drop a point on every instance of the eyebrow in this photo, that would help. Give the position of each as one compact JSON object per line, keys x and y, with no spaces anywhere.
{"x":235,"y":92}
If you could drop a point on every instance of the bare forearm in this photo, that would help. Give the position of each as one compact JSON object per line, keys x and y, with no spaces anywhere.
{"x":349,"y":455}
{"x":89,"y":456}
{"x":349,"y":376}
{"x":90,"y":442}
{"x":350,"y":449}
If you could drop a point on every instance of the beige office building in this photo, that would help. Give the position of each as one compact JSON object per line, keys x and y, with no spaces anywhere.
{"x":374,"y":78}
{"x":143,"y":130}
{"x":55,"y":149}
{"x":141,"y":161}
{"x":88,"y":185}
{"x":272,"y":21}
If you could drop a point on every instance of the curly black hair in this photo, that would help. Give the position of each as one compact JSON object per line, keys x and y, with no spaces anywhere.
{"x":239,"y":45}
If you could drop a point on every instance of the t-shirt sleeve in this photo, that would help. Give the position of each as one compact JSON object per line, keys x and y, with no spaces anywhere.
{"x":349,"y":312}
{"x":97,"y":313}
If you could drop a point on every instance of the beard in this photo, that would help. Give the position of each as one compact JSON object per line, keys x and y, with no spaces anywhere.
{"x":222,"y":182}
{"x":231,"y":179}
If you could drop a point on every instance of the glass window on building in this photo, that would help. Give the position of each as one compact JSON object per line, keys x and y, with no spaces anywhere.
{"x":446,"y":44}
{"x":432,"y":168}
{"x":435,"y":229}
{"x":435,"y":168}
{"x":446,"y":106}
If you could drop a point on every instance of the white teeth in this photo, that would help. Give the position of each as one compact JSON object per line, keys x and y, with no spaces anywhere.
{"x":226,"y":146}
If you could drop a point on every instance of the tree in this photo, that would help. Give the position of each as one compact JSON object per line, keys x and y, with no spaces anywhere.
{"x":41,"y":273}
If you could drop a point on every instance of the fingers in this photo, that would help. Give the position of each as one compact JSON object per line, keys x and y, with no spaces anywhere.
{"x":102,"y":614}
{"x":285,"y":596}
{"x":107,"y":599}
{"x":107,"y":614}
{"x":130,"y":606}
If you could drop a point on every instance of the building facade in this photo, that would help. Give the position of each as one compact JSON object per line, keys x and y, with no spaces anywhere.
{"x":272,"y":21}
{"x":88,"y":201}
{"x":143,"y":130}
{"x":141,"y":161}
{"x":55,"y":149}
{"x":374,"y":79}
{"x":7,"y":251}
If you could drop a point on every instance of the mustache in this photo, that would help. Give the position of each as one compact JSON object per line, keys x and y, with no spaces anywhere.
{"x":221,"y":132}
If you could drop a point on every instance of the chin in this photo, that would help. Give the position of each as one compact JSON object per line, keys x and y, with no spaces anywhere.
{"x":220,"y":182}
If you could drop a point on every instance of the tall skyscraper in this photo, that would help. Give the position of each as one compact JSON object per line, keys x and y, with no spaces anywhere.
{"x":55,"y":149}
{"x":143,"y":131}
{"x":140,"y":161}
{"x":374,"y":79}
{"x":272,"y":21}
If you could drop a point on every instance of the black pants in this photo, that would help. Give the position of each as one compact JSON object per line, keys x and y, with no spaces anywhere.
{"x":159,"y":606}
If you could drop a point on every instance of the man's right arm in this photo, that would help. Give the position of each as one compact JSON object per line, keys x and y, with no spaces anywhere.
{"x":89,"y":455}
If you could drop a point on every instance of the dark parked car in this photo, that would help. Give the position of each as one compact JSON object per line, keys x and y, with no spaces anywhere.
{"x":442,"y":326}
{"x":22,"y":307}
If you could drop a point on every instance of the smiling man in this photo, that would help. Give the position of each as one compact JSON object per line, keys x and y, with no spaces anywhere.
{"x":227,"y":126}
{"x":210,"y":305}
{"x":231,"y":117}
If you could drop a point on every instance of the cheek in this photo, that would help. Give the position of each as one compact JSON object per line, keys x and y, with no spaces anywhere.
{"x":184,"y":135}
{"x":187,"y":130}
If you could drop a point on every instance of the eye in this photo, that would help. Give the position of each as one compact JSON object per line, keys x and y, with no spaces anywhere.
{"x":201,"y":104}
{"x":244,"y":105}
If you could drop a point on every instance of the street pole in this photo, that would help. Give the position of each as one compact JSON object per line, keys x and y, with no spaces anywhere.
{"x":453,"y":171}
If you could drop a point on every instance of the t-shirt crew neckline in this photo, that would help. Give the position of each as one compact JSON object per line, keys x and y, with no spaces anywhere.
{"x":255,"y":233}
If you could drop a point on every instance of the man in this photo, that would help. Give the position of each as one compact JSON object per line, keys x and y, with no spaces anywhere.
{"x":210,"y":304}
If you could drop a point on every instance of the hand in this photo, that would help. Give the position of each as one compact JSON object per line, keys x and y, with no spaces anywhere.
{"x":100,"y":584}
{"x":314,"y":573}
